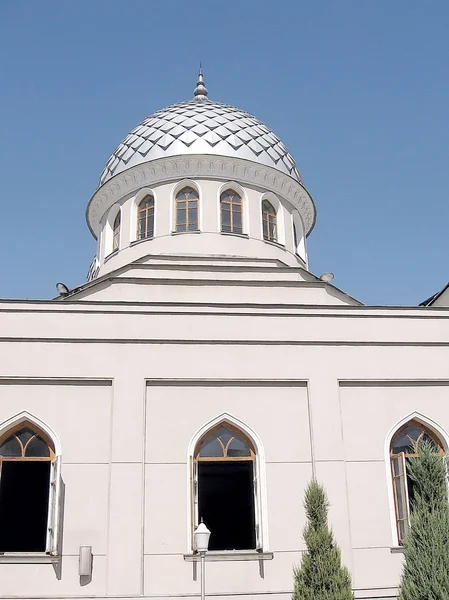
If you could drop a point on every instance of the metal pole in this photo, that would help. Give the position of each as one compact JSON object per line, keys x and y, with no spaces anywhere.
{"x":203,"y":576}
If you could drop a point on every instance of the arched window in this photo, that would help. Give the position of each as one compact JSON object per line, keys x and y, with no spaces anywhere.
{"x":269,"y":222}
{"x":225,"y":486}
{"x":116,"y":232}
{"x":145,"y":218}
{"x":231,"y":212}
{"x":29,"y":491}
{"x":187,"y":210}
{"x":403,"y":449}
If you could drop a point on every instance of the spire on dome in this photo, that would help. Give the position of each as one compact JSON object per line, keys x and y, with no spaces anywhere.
{"x":200,"y":91}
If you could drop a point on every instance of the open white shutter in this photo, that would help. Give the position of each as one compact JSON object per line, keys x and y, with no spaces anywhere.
{"x":401,"y":499}
{"x":257,"y":520}
{"x":54,"y":508}
{"x":194,"y":496}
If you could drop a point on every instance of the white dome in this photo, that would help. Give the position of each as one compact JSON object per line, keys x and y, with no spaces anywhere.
{"x":201,"y":126}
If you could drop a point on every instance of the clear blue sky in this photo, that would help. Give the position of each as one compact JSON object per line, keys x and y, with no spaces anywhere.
{"x":357,"y":90}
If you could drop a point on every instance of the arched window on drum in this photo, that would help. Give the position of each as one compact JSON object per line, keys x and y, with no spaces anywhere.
{"x":269,"y":222}
{"x":186,"y":210}
{"x":145,"y":218}
{"x":231,"y":212}
{"x":116,"y":232}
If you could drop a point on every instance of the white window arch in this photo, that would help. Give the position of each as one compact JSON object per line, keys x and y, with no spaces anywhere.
{"x":108,"y":239}
{"x":30,"y":487}
{"x":227,"y":449}
{"x":148,"y":231}
{"x":229,"y":227}
{"x":274,"y":201}
{"x":398,"y":448}
{"x":183,"y":200}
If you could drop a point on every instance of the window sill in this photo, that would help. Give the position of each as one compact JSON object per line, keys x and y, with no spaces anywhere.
{"x":106,"y":258}
{"x":28,"y":558}
{"x":146,"y":239}
{"x":184,"y":232}
{"x":397,"y":550}
{"x":277,"y":244}
{"x":230,"y":555}
{"x":241,"y":235}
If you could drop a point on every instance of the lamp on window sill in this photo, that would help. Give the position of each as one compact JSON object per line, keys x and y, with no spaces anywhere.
{"x":201,"y":536}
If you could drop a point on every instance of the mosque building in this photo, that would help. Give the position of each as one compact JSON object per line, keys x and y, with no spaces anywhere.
{"x":204,"y":373}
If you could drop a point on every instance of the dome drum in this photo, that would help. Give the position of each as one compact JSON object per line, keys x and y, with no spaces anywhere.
{"x":243,"y":234}
{"x":222,"y":168}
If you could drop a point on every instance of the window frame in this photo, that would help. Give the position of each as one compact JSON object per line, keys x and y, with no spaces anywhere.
{"x":269,"y":219}
{"x":53,"y":544}
{"x":438,"y":438}
{"x":259,"y":483}
{"x":149,"y":214}
{"x":400,"y":487}
{"x":116,"y":231}
{"x":225,"y":457}
{"x":187,"y":201}
{"x":234,"y":207}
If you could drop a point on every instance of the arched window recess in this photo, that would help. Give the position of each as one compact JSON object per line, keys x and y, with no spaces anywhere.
{"x":116,"y":232}
{"x":186,"y":210}
{"x":269,"y":222}
{"x":145,"y":218}
{"x":225,"y":489}
{"x":403,"y":449}
{"x":231,"y":208}
{"x":30,"y":490}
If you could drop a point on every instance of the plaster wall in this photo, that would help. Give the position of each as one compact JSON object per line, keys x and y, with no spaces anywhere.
{"x":322,"y":388}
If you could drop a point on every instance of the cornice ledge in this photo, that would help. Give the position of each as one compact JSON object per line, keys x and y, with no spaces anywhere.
{"x":171,"y":168}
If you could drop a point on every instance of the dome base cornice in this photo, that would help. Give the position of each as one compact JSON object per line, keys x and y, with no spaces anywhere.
{"x":200,"y":166}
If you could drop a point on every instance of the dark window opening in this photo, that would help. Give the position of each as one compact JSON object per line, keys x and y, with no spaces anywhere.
{"x":295,"y":238}
{"x":410,"y":489}
{"x":24,"y":492}
{"x":226,"y":503}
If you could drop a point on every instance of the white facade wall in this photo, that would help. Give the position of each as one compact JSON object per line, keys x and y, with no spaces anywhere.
{"x":126,"y":387}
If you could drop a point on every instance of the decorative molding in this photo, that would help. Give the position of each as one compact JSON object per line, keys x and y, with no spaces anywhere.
{"x":202,"y":166}
{"x":73,"y":381}
{"x":234,"y":555}
{"x":227,"y":383}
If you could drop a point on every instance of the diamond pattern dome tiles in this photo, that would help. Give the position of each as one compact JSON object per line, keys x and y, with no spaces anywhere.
{"x":201,"y":127}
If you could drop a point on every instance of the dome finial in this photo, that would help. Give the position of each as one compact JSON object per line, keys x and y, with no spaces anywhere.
{"x":200,"y":92}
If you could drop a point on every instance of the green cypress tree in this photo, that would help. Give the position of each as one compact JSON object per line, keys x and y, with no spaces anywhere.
{"x":321,"y":575}
{"x":425,"y":574}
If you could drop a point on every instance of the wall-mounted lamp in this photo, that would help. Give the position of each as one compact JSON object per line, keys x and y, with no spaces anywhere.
{"x":85,"y":561}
